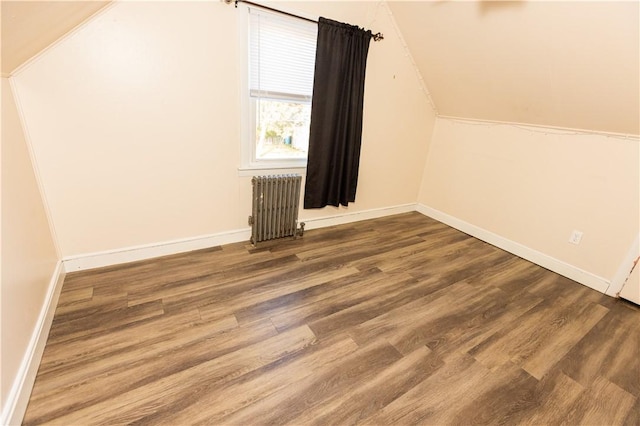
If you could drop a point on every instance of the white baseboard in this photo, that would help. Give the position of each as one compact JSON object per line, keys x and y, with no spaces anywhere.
{"x":18,"y":398}
{"x":340,"y":219}
{"x":583,"y":277}
{"x":132,"y":254}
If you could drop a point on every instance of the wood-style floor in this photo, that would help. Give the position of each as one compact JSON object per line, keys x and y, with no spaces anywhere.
{"x":399,"y":320}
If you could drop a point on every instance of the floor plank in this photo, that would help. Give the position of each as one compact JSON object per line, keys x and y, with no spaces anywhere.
{"x":397,"y":320}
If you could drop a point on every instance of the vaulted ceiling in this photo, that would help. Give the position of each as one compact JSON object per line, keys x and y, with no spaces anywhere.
{"x":28,"y":27}
{"x":570,"y":64}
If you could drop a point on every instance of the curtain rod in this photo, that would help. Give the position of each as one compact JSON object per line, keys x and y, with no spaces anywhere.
{"x":376,"y":37}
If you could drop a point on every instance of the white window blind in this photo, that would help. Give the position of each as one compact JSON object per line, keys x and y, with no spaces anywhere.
{"x":282,"y":52}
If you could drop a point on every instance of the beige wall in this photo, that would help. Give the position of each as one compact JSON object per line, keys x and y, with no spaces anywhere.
{"x":28,"y":253}
{"x":135,"y":123}
{"x":534,"y":186}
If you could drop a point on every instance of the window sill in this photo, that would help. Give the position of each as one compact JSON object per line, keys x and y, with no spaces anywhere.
{"x":271,"y":170}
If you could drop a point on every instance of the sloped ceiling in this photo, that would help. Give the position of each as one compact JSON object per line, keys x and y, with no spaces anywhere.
{"x":573,"y":64}
{"x":28,"y":27}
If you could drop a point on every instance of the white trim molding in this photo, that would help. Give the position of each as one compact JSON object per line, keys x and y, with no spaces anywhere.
{"x":572,"y":272}
{"x":273,"y":170}
{"x":131,"y":254}
{"x":349,"y":217}
{"x":20,"y":392}
{"x":625,"y":268}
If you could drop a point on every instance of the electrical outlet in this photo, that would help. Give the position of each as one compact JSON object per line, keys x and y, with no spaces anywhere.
{"x":575,"y":237}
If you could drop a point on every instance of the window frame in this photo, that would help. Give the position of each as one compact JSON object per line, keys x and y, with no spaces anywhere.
{"x":249,"y":163}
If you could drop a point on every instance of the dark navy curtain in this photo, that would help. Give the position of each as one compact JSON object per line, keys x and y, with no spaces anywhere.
{"x":336,"y":114}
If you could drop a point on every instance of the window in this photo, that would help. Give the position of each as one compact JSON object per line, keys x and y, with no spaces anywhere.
{"x":280,"y":79}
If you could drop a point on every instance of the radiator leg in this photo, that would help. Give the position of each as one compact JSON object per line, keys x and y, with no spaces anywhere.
{"x":299,"y":232}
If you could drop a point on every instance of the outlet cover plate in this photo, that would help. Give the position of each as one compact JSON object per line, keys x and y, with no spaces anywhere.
{"x":576,"y":237}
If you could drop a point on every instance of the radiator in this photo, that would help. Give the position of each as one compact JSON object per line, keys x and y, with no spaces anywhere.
{"x":275,"y":207}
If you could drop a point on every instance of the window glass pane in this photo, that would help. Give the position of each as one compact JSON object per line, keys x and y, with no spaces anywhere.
{"x":282,"y":129}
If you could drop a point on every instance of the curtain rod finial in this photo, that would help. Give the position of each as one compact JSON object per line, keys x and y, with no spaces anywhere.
{"x":378,"y":37}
